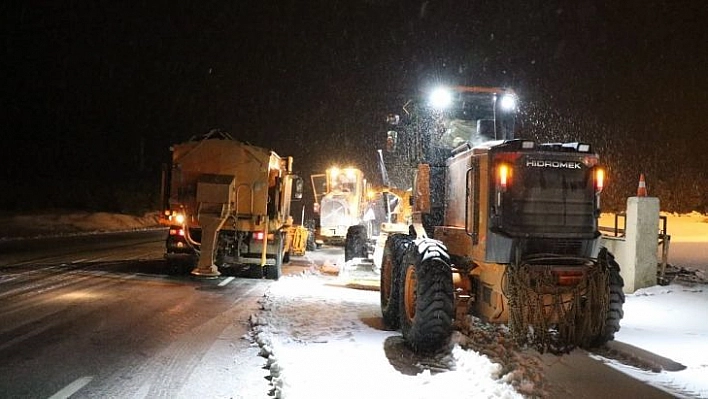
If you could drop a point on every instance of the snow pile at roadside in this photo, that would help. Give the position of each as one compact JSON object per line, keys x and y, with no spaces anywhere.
{"x":323,"y":341}
{"x":669,"y":321}
{"x":60,"y":223}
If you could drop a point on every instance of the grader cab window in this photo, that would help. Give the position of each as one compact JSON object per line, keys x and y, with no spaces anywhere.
{"x":471,"y":117}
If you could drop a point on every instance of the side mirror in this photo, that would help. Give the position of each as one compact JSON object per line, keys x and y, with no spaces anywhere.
{"x":298,"y":188}
{"x":391,"y":140}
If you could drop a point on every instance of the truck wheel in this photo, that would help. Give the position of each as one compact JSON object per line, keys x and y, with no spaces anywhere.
{"x":355,"y":243}
{"x":395,"y":248}
{"x":274,"y":272}
{"x":181,"y":265}
{"x":615,"y":313}
{"x":426,"y":296}
{"x":311,"y":245}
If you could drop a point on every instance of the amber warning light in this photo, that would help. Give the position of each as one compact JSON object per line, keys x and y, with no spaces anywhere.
{"x":599,"y":180}
{"x":504,"y":175}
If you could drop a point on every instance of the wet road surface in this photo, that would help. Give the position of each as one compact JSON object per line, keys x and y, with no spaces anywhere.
{"x":105,"y":316}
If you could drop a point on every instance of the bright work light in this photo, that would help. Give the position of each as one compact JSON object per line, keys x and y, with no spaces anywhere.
{"x":440,"y":98}
{"x":508,"y":102}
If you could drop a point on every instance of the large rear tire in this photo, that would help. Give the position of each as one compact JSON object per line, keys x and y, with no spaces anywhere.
{"x":355,"y":243}
{"x":615,"y":311}
{"x":392,"y":258}
{"x":274,"y":272}
{"x":426,"y":296}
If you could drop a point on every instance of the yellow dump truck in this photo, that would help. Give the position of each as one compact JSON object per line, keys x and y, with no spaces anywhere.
{"x":228,"y":202}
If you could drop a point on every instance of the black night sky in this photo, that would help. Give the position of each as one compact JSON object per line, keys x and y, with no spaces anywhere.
{"x":96,"y":91}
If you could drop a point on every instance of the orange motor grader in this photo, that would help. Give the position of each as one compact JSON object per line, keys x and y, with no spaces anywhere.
{"x":504,"y":229}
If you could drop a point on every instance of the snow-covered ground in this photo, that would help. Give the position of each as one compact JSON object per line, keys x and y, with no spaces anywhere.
{"x":323,"y":340}
{"x":670,"y":321}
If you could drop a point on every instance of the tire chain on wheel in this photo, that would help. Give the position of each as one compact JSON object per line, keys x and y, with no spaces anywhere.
{"x":581,"y":320}
{"x":616,"y":299}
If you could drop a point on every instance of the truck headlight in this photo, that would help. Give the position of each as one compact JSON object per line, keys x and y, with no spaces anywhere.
{"x":177,"y":217}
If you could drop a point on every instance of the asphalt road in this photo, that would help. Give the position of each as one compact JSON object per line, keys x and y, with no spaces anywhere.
{"x":90,"y":247}
{"x":101,"y":316}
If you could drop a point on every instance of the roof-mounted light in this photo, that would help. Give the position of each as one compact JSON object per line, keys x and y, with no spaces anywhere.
{"x":508,"y":102}
{"x":440,"y":98}
{"x":579,"y":147}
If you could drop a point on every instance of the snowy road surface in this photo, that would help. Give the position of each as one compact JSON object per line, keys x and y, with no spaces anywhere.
{"x":324,"y":340}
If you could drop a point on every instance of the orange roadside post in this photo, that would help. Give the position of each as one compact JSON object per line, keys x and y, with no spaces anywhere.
{"x":642,"y":189}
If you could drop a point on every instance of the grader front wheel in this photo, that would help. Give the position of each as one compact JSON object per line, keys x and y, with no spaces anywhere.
{"x":355,"y":243}
{"x":410,"y":288}
{"x":392,"y":258}
{"x":427,"y":297}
